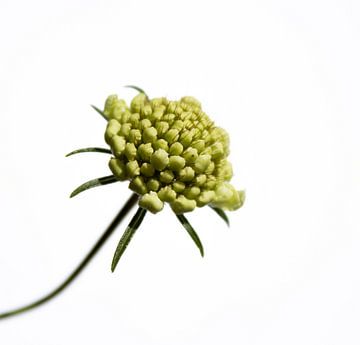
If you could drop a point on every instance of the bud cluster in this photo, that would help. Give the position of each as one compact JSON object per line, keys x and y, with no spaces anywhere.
{"x":170,"y":151}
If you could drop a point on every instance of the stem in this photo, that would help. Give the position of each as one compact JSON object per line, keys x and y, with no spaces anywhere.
{"x":110,"y":229}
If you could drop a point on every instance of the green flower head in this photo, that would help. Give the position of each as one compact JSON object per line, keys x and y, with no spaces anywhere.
{"x":170,"y":152}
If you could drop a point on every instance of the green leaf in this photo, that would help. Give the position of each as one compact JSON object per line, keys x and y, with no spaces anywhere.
{"x":137,"y":89}
{"x":89,"y":149}
{"x":94,"y":183}
{"x":222,"y":214}
{"x":185,"y":223}
{"x":100,"y":112}
{"x":126,"y":237}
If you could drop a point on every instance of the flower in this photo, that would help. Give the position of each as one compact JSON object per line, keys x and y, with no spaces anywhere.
{"x":170,"y":152}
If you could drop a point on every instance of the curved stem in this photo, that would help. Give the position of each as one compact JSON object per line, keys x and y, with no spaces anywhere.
{"x":110,"y":229}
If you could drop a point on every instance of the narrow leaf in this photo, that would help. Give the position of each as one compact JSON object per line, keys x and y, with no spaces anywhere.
{"x":100,"y":112}
{"x":89,"y":149}
{"x":126,"y":237}
{"x":222,"y":214}
{"x":191,"y":232}
{"x":94,"y":183}
{"x":137,"y":89}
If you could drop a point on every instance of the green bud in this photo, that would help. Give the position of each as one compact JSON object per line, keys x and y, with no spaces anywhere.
{"x":147,"y":169}
{"x":135,"y":136}
{"x":200,"y":179}
{"x":153,"y":184}
{"x":145,"y":123}
{"x":125,"y":118}
{"x":182,"y":205}
{"x":149,"y":135}
{"x":138,"y":102}
{"x":118,"y":110}
{"x":171,"y":135}
{"x":159,"y":159}
{"x":178,"y":186}
{"x":166,"y":176}
{"x":171,"y":107}
{"x":118,"y":168}
{"x":228,"y":198}
{"x":190,"y":155}
{"x":161,"y":144}
{"x":169,"y":118}
{"x":210,"y":169}
{"x":178,"y":124}
{"x":138,"y":185}
{"x":176,"y":149}
{"x":113,"y":127}
{"x":191,"y":101}
{"x":205,"y":198}
{"x":118,"y":145}
{"x":199,"y":145}
{"x":130,"y":151}
{"x":176,"y":163}
{"x":201,"y":163}
{"x":192,"y":192}
{"x":134,"y":120}
{"x":132,"y":169}
{"x":146,"y":110}
{"x":186,"y":138}
{"x":162,"y":127}
{"x":125,"y":129}
{"x":151,"y":202}
{"x":210,"y":182}
{"x":217,"y":151}
{"x":145,"y":151}
{"x":167,"y":194}
{"x":186,"y":174}
{"x":157,"y":114}
{"x":110,"y":103}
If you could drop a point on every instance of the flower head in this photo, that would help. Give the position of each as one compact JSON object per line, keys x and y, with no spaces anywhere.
{"x":170,"y":151}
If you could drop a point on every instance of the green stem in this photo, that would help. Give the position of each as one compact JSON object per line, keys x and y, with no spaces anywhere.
{"x":110,"y":229}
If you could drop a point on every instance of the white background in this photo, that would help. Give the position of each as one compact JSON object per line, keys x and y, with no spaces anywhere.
{"x":281,"y":76}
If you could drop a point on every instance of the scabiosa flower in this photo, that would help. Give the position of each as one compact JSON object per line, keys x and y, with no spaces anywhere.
{"x":169,"y":152}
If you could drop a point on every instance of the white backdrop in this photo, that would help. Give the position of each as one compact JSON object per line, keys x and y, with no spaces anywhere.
{"x":281,"y":76}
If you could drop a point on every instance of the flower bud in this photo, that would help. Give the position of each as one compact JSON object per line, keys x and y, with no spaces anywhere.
{"x":166,"y":176}
{"x":130,"y":151}
{"x":181,"y":205}
{"x":132,"y":169}
{"x":149,"y":135}
{"x":151,"y":202}
{"x":161,"y":144}
{"x":118,"y":145}
{"x":167,"y":194}
{"x":138,"y":185}
{"x":190,"y":155}
{"x":176,"y":163}
{"x":118,"y":168}
{"x":187,"y":174}
{"x":159,"y":159}
{"x":153,"y":184}
{"x":145,"y":151}
{"x":113,"y":127}
{"x":147,"y":170}
{"x":176,"y":149}
{"x":178,"y":186}
{"x":201,"y":163}
{"x":135,"y":136}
